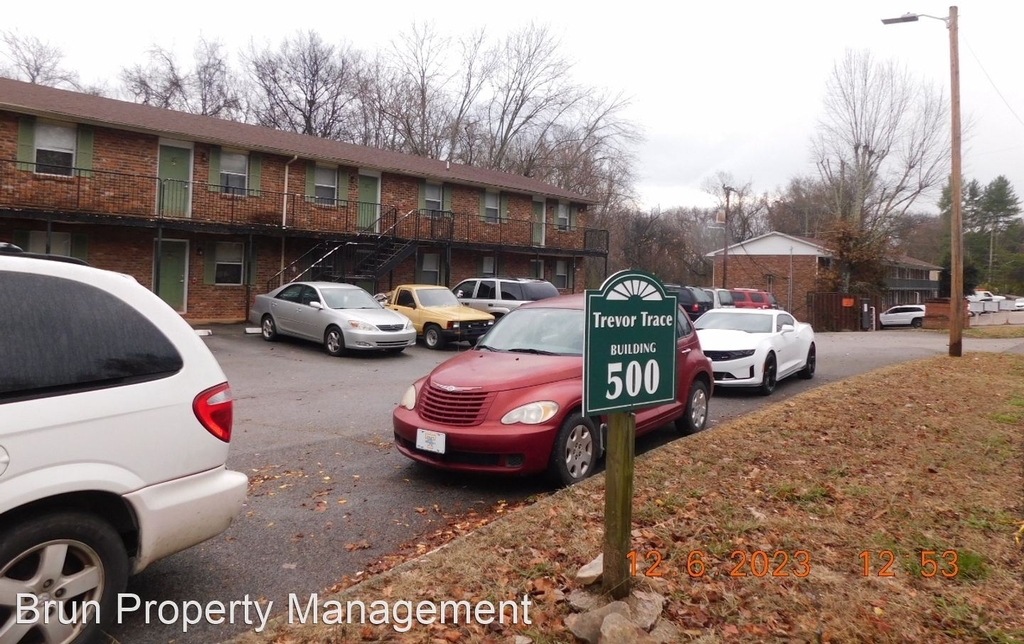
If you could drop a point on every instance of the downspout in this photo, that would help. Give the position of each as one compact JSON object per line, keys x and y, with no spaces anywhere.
{"x":284,"y":215}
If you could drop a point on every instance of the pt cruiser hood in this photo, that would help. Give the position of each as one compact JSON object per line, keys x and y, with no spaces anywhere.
{"x":501,"y":371}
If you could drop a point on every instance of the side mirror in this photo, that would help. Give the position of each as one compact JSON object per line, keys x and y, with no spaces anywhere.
{"x":316,"y":305}
{"x":787,"y":328}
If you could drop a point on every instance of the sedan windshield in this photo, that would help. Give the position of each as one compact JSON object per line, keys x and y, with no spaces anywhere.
{"x":542,"y":331}
{"x":735,"y":321}
{"x":437,"y":297}
{"x":349,"y":298}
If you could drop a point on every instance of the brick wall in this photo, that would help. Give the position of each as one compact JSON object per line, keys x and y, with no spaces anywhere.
{"x":746,"y":271}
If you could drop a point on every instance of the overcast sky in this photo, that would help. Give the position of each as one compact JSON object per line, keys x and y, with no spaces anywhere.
{"x":715,"y":86}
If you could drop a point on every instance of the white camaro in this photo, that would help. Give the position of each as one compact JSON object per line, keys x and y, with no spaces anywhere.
{"x":756,"y":347}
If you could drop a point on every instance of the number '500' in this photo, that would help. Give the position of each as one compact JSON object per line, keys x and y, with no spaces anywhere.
{"x":647,"y":376}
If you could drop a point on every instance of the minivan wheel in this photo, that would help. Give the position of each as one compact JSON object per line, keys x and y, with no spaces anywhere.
{"x":70,"y":558}
{"x":575,"y":452}
{"x":334,"y":341}
{"x":268,"y":329}
{"x":696,"y":415}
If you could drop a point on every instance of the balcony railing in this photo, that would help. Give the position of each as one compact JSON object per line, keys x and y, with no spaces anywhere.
{"x":910,"y":284}
{"x":114,"y":193}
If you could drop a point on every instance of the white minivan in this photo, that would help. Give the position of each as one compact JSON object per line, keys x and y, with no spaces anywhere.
{"x":115,"y":421}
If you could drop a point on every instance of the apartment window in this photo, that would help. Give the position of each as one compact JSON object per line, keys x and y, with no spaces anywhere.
{"x":326,"y":185}
{"x":55,"y":149}
{"x":430,"y":273}
{"x":561,"y":274}
{"x":562,"y":217}
{"x":537,"y":269}
{"x":60,"y":243}
{"x":491,"y":207}
{"x":432,"y":198}
{"x":229,"y":258}
{"x":487,"y":267}
{"x":234,"y":171}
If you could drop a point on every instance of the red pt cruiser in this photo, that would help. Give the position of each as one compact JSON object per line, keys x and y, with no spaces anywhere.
{"x":513,"y":405}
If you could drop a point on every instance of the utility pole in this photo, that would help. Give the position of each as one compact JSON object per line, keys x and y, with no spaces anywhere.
{"x":956,"y":238}
{"x":956,"y":243}
{"x":728,"y":240}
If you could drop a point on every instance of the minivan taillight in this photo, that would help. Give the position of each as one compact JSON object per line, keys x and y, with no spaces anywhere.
{"x":214,"y":409}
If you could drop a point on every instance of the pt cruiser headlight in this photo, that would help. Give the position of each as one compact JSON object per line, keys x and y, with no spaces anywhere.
{"x":531,"y":414}
{"x":409,"y":398}
{"x":361,"y":326}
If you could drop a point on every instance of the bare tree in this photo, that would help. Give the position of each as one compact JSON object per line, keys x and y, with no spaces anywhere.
{"x":748,"y":211}
{"x":34,"y":61}
{"x":881,"y":143}
{"x":209,"y":88}
{"x":306,"y":86}
{"x":531,"y":90}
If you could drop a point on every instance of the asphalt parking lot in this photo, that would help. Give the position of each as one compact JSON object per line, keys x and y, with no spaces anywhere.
{"x":329,"y":495}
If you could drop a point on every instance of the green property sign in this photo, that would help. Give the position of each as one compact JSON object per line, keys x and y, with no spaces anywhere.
{"x":629,"y":359}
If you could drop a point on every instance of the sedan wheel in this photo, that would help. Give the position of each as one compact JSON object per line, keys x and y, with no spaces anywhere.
{"x":808,"y":371}
{"x":696,"y":415}
{"x":768,"y":380}
{"x":334,"y":341}
{"x":268,"y":328}
{"x":73,"y":560}
{"x":574,"y":454}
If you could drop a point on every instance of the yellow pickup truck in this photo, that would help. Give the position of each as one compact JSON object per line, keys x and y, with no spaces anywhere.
{"x":437,"y":314}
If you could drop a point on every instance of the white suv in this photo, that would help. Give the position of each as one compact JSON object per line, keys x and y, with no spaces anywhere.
{"x":115,"y":420}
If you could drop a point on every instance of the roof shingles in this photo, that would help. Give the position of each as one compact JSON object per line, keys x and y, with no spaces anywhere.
{"x":17,"y":96}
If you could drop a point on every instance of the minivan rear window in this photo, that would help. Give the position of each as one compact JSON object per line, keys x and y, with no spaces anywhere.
{"x":62,"y":336}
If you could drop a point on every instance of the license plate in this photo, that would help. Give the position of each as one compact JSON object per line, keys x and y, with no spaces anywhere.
{"x":430,"y":441}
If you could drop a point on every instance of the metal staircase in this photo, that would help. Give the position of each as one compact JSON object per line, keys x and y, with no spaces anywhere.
{"x":388,"y":250}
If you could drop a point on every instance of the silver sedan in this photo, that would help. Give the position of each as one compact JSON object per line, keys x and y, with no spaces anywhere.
{"x":341,"y":316}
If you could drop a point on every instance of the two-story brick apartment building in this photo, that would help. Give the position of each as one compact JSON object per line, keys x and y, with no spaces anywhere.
{"x":209,"y":212}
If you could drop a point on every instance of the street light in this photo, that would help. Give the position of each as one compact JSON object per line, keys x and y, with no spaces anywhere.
{"x":725,"y":252}
{"x":956,"y":241}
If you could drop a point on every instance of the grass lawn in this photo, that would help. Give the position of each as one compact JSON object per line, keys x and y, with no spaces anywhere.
{"x":884,"y":508}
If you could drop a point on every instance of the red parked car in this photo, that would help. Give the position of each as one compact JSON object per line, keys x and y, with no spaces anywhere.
{"x":513,"y":405}
{"x":751,"y":298}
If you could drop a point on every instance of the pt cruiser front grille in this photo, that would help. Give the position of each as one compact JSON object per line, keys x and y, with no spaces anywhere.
{"x":461,"y":408}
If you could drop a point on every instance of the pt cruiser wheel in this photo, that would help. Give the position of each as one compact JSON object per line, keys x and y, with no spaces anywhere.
{"x":574,"y":454}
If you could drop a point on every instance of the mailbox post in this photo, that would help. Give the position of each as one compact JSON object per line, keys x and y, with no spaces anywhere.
{"x":629,"y":362}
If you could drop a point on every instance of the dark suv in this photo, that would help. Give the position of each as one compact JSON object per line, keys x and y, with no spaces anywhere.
{"x":693,"y":300}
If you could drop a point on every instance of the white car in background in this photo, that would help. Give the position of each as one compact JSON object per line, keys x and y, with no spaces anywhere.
{"x":756,"y":347}
{"x":903,"y":315}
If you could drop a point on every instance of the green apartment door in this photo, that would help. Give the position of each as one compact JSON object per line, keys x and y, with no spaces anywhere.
{"x":369,"y":210}
{"x":173,"y":269}
{"x":538,"y":223}
{"x":174,"y":170}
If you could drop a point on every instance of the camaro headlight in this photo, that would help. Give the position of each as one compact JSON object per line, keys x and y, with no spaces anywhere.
{"x":531,"y":414}
{"x":409,"y":398}
{"x":361,"y":326}
{"x":733,"y":355}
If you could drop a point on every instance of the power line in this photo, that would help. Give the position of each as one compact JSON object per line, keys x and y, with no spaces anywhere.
{"x":991,"y":82}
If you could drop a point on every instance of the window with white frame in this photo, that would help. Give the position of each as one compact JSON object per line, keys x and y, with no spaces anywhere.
{"x":562,"y":217}
{"x":491,"y":207}
{"x":326,"y":183}
{"x":55,"y":148}
{"x":432,"y":198}
{"x":430,"y":271}
{"x":487,"y":267}
{"x":234,"y":172}
{"x":537,"y":269}
{"x":229,"y":258}
{"x":561,"y":274}
{"x":60,"y":243}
